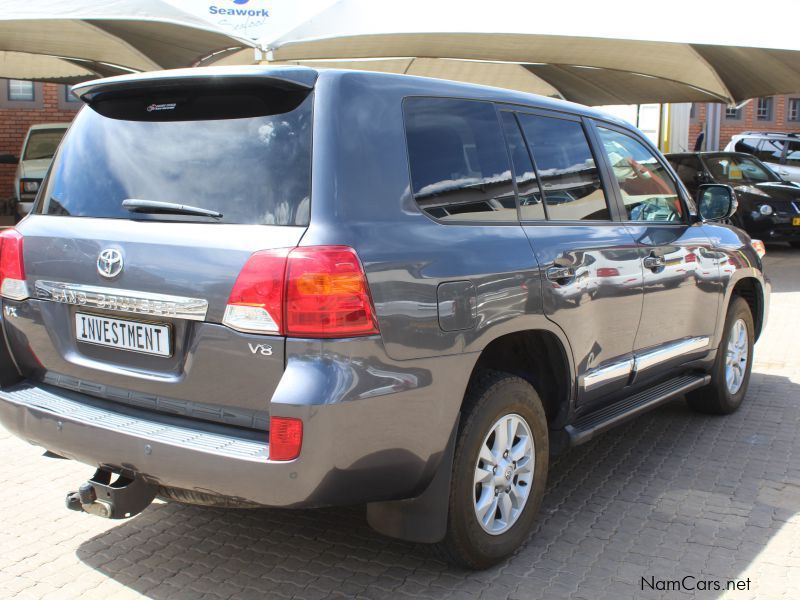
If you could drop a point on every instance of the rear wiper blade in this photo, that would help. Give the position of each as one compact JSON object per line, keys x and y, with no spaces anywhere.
{"x":171,"y":208}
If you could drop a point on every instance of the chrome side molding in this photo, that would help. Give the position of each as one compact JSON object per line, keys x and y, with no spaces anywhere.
{"x":603,"y":375}
{"x":628,"y":368}
{"x":673,"y":350}
{"x":123,"y":301}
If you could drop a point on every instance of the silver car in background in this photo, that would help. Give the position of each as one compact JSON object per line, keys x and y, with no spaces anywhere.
{"x":41,"y":143}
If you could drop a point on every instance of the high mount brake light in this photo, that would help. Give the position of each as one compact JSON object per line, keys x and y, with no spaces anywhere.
{"x":313,"y":291}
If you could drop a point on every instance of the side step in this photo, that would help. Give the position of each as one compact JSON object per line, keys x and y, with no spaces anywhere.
{"x":590,"y":425}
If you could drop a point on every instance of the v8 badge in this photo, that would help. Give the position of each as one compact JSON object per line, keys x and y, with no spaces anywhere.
{"x":262,"y":349}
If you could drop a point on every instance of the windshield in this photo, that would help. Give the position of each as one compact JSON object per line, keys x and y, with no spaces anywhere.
{"x":738,"y":170}
{"x":253,"y":169}
{"x":42,"y":143}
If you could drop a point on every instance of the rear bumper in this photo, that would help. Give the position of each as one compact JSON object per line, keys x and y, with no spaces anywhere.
{"x":166,"y":452}
{"x":385,"y":444}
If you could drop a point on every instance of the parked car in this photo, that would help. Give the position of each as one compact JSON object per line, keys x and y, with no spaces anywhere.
{"x":769,"y":207}
{"x":220,"y":312}
{"x":37,"y":151}
{"x":780,"y":151}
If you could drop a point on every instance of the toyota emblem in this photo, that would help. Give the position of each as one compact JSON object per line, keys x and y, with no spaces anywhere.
{"x":109,"y":263}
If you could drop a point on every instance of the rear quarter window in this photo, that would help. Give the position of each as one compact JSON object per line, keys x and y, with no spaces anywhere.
{"x":459,"y":163}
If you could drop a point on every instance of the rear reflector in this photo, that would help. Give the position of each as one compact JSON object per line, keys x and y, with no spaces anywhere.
{"x":313,"y":291}
{"x":607,"y":272}
{"x":12,"y":268}
{"x":285,"y":438}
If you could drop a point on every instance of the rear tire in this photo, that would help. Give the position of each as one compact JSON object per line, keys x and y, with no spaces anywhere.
{"x":730,"y":375}
{"x":489,"y":471}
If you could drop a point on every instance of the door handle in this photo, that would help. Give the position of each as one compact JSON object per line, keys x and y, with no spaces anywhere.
{"x":653,"y":262}
{"x":560,"y":273}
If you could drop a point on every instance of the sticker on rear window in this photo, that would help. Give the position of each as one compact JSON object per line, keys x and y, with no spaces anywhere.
{"x":165,"y":106}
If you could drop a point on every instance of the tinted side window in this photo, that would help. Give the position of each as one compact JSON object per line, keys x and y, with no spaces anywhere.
{"x":567,"y":170}
{"x":748,"y":145}
{"x":687,"y":168}
{"x":647,"y":190}
{"x":529,"y":193}
{"x":793,"y":154}
{"x":770,"y":151}
{"x":459,"y":162}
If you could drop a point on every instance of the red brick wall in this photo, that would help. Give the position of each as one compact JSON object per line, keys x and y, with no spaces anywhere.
{"x":14,"y":123}
{"x":748,"y":122}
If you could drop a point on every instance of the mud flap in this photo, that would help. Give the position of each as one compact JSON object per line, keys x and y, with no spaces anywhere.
{"x":422,"y":519}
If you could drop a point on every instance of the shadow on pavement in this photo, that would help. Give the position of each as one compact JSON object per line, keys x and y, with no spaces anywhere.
{"x":670,"y":494}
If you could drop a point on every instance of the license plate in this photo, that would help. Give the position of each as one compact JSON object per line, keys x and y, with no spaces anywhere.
{"x":135,"y":336}
{"x":796,"y":221}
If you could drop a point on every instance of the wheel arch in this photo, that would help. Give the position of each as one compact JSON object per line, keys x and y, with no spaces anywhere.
{"x":751,"y":289}
{"x":541,"y":357}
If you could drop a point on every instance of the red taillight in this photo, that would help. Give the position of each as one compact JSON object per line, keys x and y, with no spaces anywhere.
{"x":12,"y":268}
{"x":691,"y":257}
{"x":607,"y":272}
{"x":285,"y":438}
{"x":327,"y":294}
{"x":314,"y":291}
{"x":256,"y":301}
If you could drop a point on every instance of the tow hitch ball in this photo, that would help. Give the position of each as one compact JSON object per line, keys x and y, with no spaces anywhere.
{"x":129,"y":495}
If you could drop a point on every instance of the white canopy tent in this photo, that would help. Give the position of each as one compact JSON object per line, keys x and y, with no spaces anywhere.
{"x":74,"y":40}
{"x":588,"y":52}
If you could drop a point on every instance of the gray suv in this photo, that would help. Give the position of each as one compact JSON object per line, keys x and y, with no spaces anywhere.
{"x":293,"y":288}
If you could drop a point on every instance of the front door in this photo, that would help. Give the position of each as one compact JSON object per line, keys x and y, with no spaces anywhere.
{"x":681,"y":297}
{"x":592,"y":286}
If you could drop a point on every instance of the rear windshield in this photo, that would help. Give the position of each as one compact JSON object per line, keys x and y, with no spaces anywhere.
{"x":42,"y":143}
{"x":252,"y":168}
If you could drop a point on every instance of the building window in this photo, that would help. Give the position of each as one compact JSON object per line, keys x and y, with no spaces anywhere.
{"x":69,"y":96}
{"x":733,"y":113}
{"x":764,"y":109}
{"x":793,"y":109}
{"x":20,"y":90}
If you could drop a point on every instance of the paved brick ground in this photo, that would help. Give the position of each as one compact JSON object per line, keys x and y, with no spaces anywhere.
{"x":672,"y":494}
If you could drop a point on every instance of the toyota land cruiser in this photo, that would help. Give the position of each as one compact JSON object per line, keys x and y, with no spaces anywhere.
{"x":287,"y":287}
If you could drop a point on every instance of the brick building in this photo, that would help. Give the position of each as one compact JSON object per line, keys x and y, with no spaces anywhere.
{"x":772,"y":113}
{"x":23,"y":104}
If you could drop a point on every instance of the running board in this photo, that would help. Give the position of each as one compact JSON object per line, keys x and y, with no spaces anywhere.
{"x":590,"y":425}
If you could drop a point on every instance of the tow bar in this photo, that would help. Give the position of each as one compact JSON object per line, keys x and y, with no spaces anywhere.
{"x":127,"y":496}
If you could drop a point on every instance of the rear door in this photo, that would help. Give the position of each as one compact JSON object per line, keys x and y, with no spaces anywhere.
{"x":129,"y":306}
{"x":593,"y":285}
{"x":791,"y":168}
{"x":680,"y":305}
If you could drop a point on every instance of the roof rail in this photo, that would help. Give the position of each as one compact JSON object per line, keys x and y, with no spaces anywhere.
{"x":769,"y":133}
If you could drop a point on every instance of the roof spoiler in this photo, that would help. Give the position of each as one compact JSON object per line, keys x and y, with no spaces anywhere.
{"x":287,"y":78}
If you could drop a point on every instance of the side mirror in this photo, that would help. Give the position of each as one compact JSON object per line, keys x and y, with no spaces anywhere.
{"x":716,"y":202}
{"x":8,"y":159}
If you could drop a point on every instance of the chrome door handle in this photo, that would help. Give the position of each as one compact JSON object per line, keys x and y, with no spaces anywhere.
{"x":653,"y":262}
{"x":559,"y":273}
